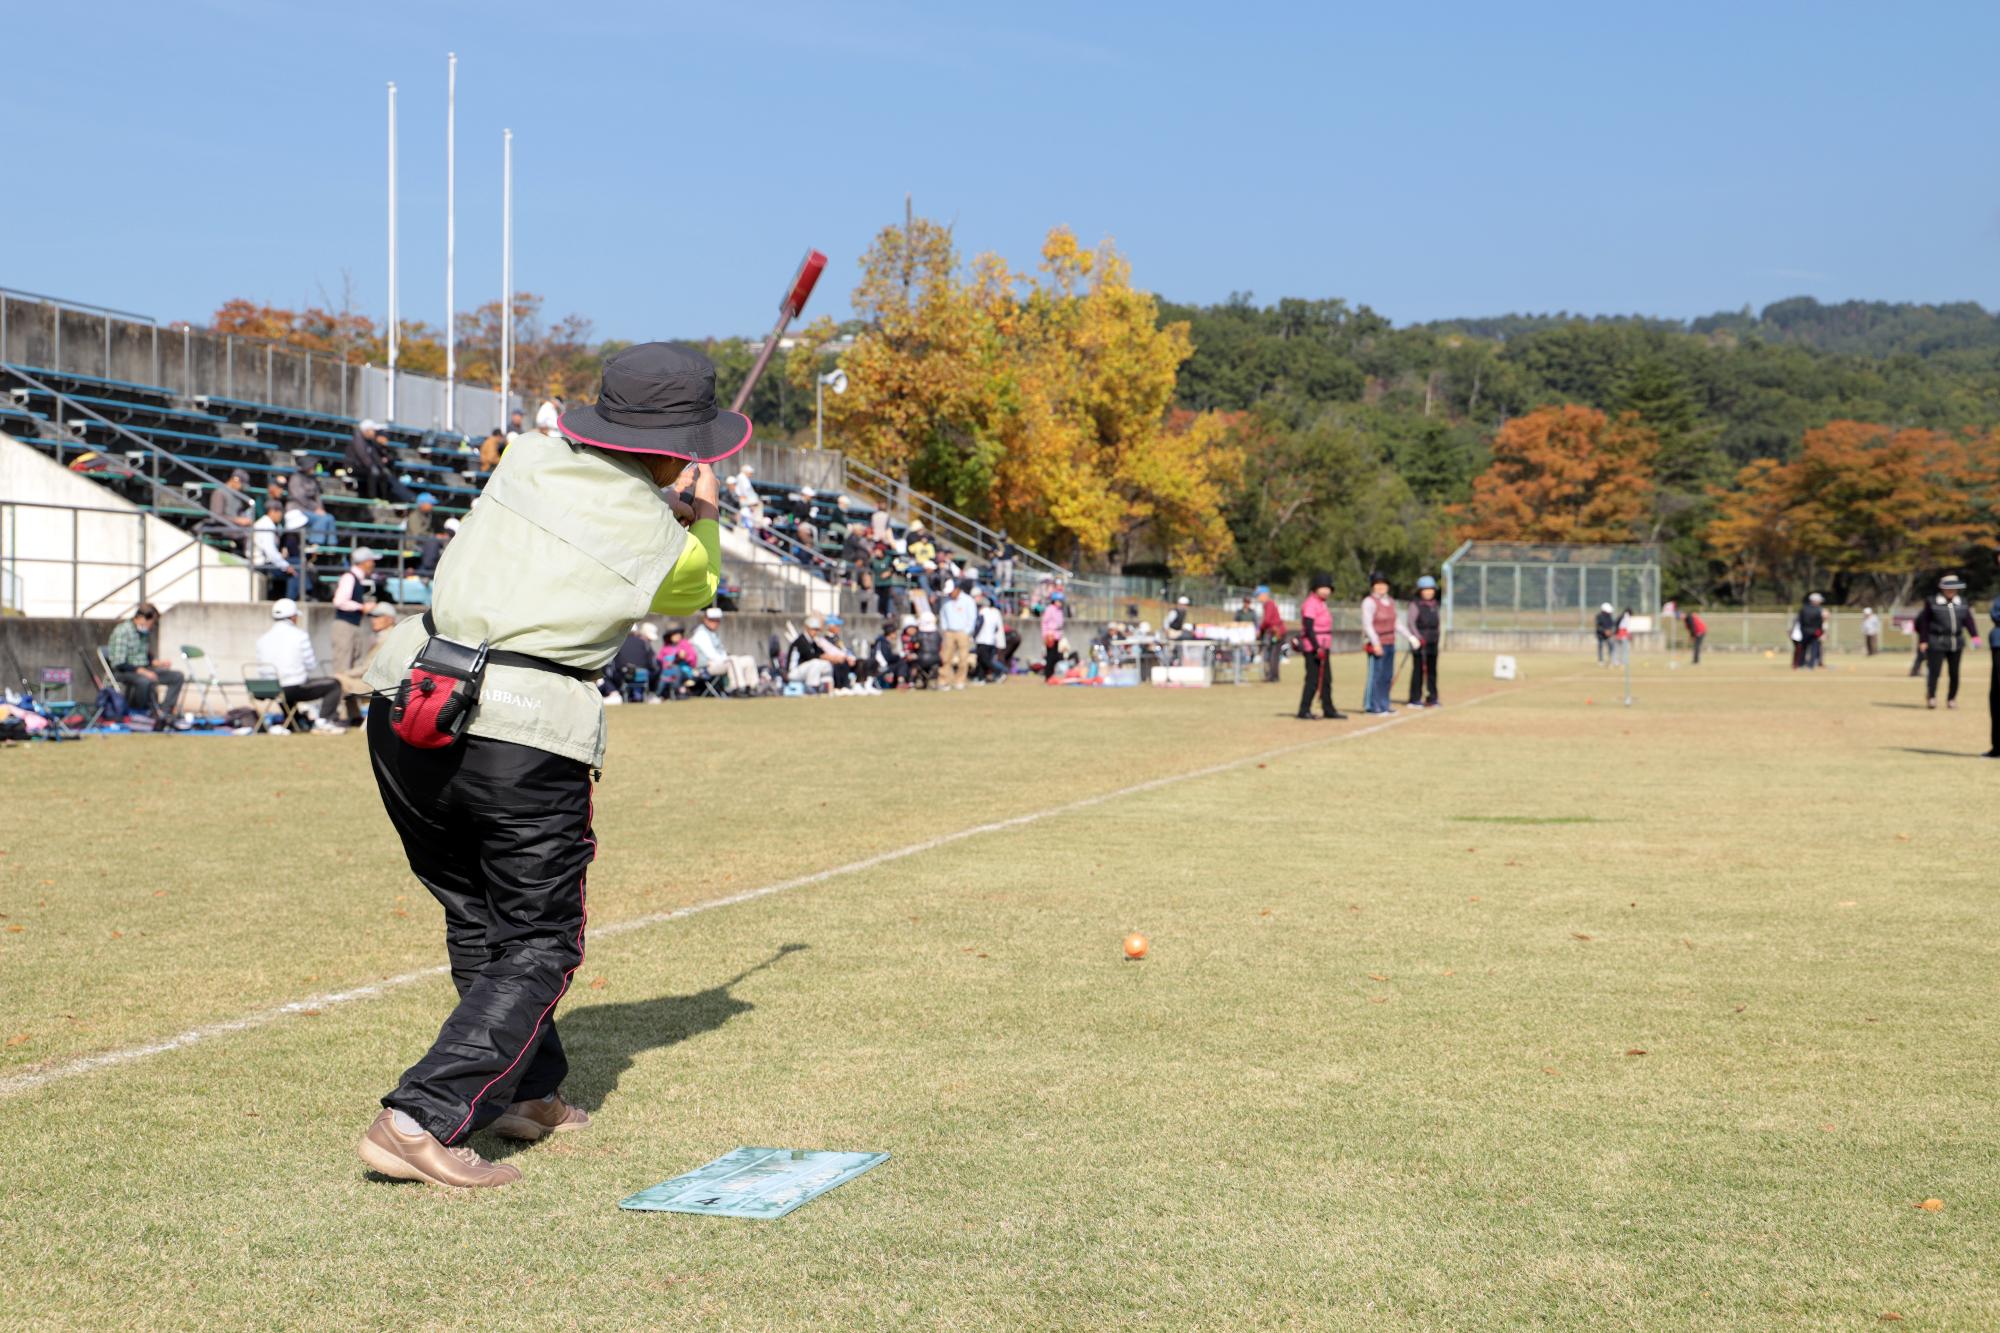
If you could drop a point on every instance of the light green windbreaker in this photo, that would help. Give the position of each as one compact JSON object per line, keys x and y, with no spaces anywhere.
{"x":566,"y":548}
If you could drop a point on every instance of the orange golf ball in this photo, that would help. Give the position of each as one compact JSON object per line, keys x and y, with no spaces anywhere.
{"x":1135,"y":945}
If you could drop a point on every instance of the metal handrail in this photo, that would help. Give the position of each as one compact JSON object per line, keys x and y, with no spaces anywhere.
{"x":970,"y":531}
{"x":140,"y":577}
{"x":65,"y":304}
{"x":173,"y":460}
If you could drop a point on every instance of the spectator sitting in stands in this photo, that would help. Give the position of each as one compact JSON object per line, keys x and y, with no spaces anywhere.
{"x":367,"y":460}
{"x":802,"y":659}
{"x":630,"y":671}
{"x":835,"y":652}
{"x":421,"y":522}
{"x":380,"y":621}
{"x":921,"y":548}
{"x":677,"y":663}
{"x":878,"y":528}
{"x":514,"y":426}
{"x":886,"y":664}
{"x":431,"y":549}
{"x":149,"y":687}
{"x":854,"y":557}
{"x":230,"y":511}
{"x":716,"y":660}
{"x":301,"y":485}
{"x":281,"y":576}
{"x":288,"y":650}
{"x":319,"y":525}
{"x":746,"y":492}
{"x":492,"y":447}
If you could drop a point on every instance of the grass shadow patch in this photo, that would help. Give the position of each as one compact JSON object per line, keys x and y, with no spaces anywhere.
{"x":1533,"y":820}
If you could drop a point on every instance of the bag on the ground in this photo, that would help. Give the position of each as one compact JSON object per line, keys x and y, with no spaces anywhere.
{"x":111,"y":704}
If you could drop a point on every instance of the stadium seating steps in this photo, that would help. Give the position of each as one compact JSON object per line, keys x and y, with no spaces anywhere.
{"x":215,"y":434}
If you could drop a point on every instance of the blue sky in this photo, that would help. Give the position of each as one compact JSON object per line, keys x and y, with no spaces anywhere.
{"x":673,"y":161}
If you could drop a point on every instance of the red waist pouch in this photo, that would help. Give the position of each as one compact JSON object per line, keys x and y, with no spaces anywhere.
{"x":437,"y":695}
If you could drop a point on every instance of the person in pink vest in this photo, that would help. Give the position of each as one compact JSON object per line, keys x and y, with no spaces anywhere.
{"x":1052,"y":632}
{"x":1316,"y":647}
{"x":1381,"y":623}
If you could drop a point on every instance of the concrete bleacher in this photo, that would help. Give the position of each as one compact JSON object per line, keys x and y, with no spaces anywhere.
{"x":192,"y":444}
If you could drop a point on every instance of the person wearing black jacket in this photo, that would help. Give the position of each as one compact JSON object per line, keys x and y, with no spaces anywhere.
{"x":1812,"y":632}
{"x":1607,"y":626}
{"x":1426,"y":620}
{"x":1941,"y":628}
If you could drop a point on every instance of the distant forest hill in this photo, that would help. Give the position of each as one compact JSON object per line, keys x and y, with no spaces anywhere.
{"x":1752,"y":384}
{"x":1852,"y":328}
{"x":1344,"y":401}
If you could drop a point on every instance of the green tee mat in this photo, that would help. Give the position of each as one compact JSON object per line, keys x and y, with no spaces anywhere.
{"x":754,"y":1182}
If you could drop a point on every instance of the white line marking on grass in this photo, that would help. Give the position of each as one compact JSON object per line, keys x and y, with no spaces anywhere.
{"x":33,"y":1079}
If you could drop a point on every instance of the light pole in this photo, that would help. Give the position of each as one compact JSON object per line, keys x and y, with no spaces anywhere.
{"x":506,"y":270}
{"x":450,"y":235}
{"x":837,"y":378}
{"x":390,"y":414}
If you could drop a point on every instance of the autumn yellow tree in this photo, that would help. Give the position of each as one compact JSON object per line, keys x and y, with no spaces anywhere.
{"x":1564,"y":474}
{"x":1037,"y":403}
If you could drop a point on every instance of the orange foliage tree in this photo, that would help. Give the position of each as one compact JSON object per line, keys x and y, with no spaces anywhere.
{"x":1563,"y":474}
{"x":1861,"y":501}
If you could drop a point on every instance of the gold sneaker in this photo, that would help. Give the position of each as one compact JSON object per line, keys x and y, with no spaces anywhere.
{"x":420,"y":1157}
{"x":544,"y":1115}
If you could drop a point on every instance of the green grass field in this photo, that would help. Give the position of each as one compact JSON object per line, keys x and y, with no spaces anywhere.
{"x":1536,"y":1010}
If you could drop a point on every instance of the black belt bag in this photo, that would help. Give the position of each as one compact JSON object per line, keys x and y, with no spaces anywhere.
{"x":437,"y":695}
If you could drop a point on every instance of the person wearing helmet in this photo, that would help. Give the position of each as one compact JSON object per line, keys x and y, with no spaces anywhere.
{"x":1812,"y":634}
{"x":1426,"y":624}
{"x":1942,"y":628}
{"x":1177,"y":626}
{"x":1607,"y":629}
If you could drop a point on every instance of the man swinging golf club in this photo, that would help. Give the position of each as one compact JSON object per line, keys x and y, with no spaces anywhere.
{"x":487,"y":731}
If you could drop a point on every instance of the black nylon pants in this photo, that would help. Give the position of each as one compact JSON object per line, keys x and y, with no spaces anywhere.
{"x":1319,"y":680}
{"x":500,"y":834}
{"x":1947,"y":662}
{"x":1423,"y":673}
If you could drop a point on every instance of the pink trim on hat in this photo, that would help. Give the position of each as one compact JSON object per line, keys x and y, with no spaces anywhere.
{"x":564,"y":426}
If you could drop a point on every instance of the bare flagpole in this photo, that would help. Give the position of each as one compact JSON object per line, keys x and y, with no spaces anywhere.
{"x":450,"y":237}
{"x":506,"y":271}
{"x":393,"y":330}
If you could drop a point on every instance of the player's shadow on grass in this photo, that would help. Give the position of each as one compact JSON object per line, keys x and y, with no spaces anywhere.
{"x":1940,"y":754}
{"x":1878,"y":703}
{"x":603,"y":1040}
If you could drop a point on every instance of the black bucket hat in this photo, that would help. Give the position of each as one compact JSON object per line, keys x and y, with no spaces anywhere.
{"x":657,"y":398}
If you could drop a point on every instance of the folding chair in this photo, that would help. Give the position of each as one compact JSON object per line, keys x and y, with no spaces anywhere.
{"x":705,"y":686}
{"x":55,"y":690}
{"x":634,"y":687}
{"x":260,"y":682}
{"x":192,"y":654}
{"x":107,"y":679}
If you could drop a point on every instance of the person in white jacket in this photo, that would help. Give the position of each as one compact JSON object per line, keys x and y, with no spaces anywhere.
{"x":288,"y":651}
{"x":717,"y":660}
{"x":987,"y":639}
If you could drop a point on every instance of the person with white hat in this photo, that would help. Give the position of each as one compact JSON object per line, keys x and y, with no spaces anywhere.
{"x":1942,"y":628}
{"x":288,"y":650}
{"x":717,"y":660}
{"x":1177,"y":626}
{"x":353,"y":599}
{"x":1607,"y":630}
